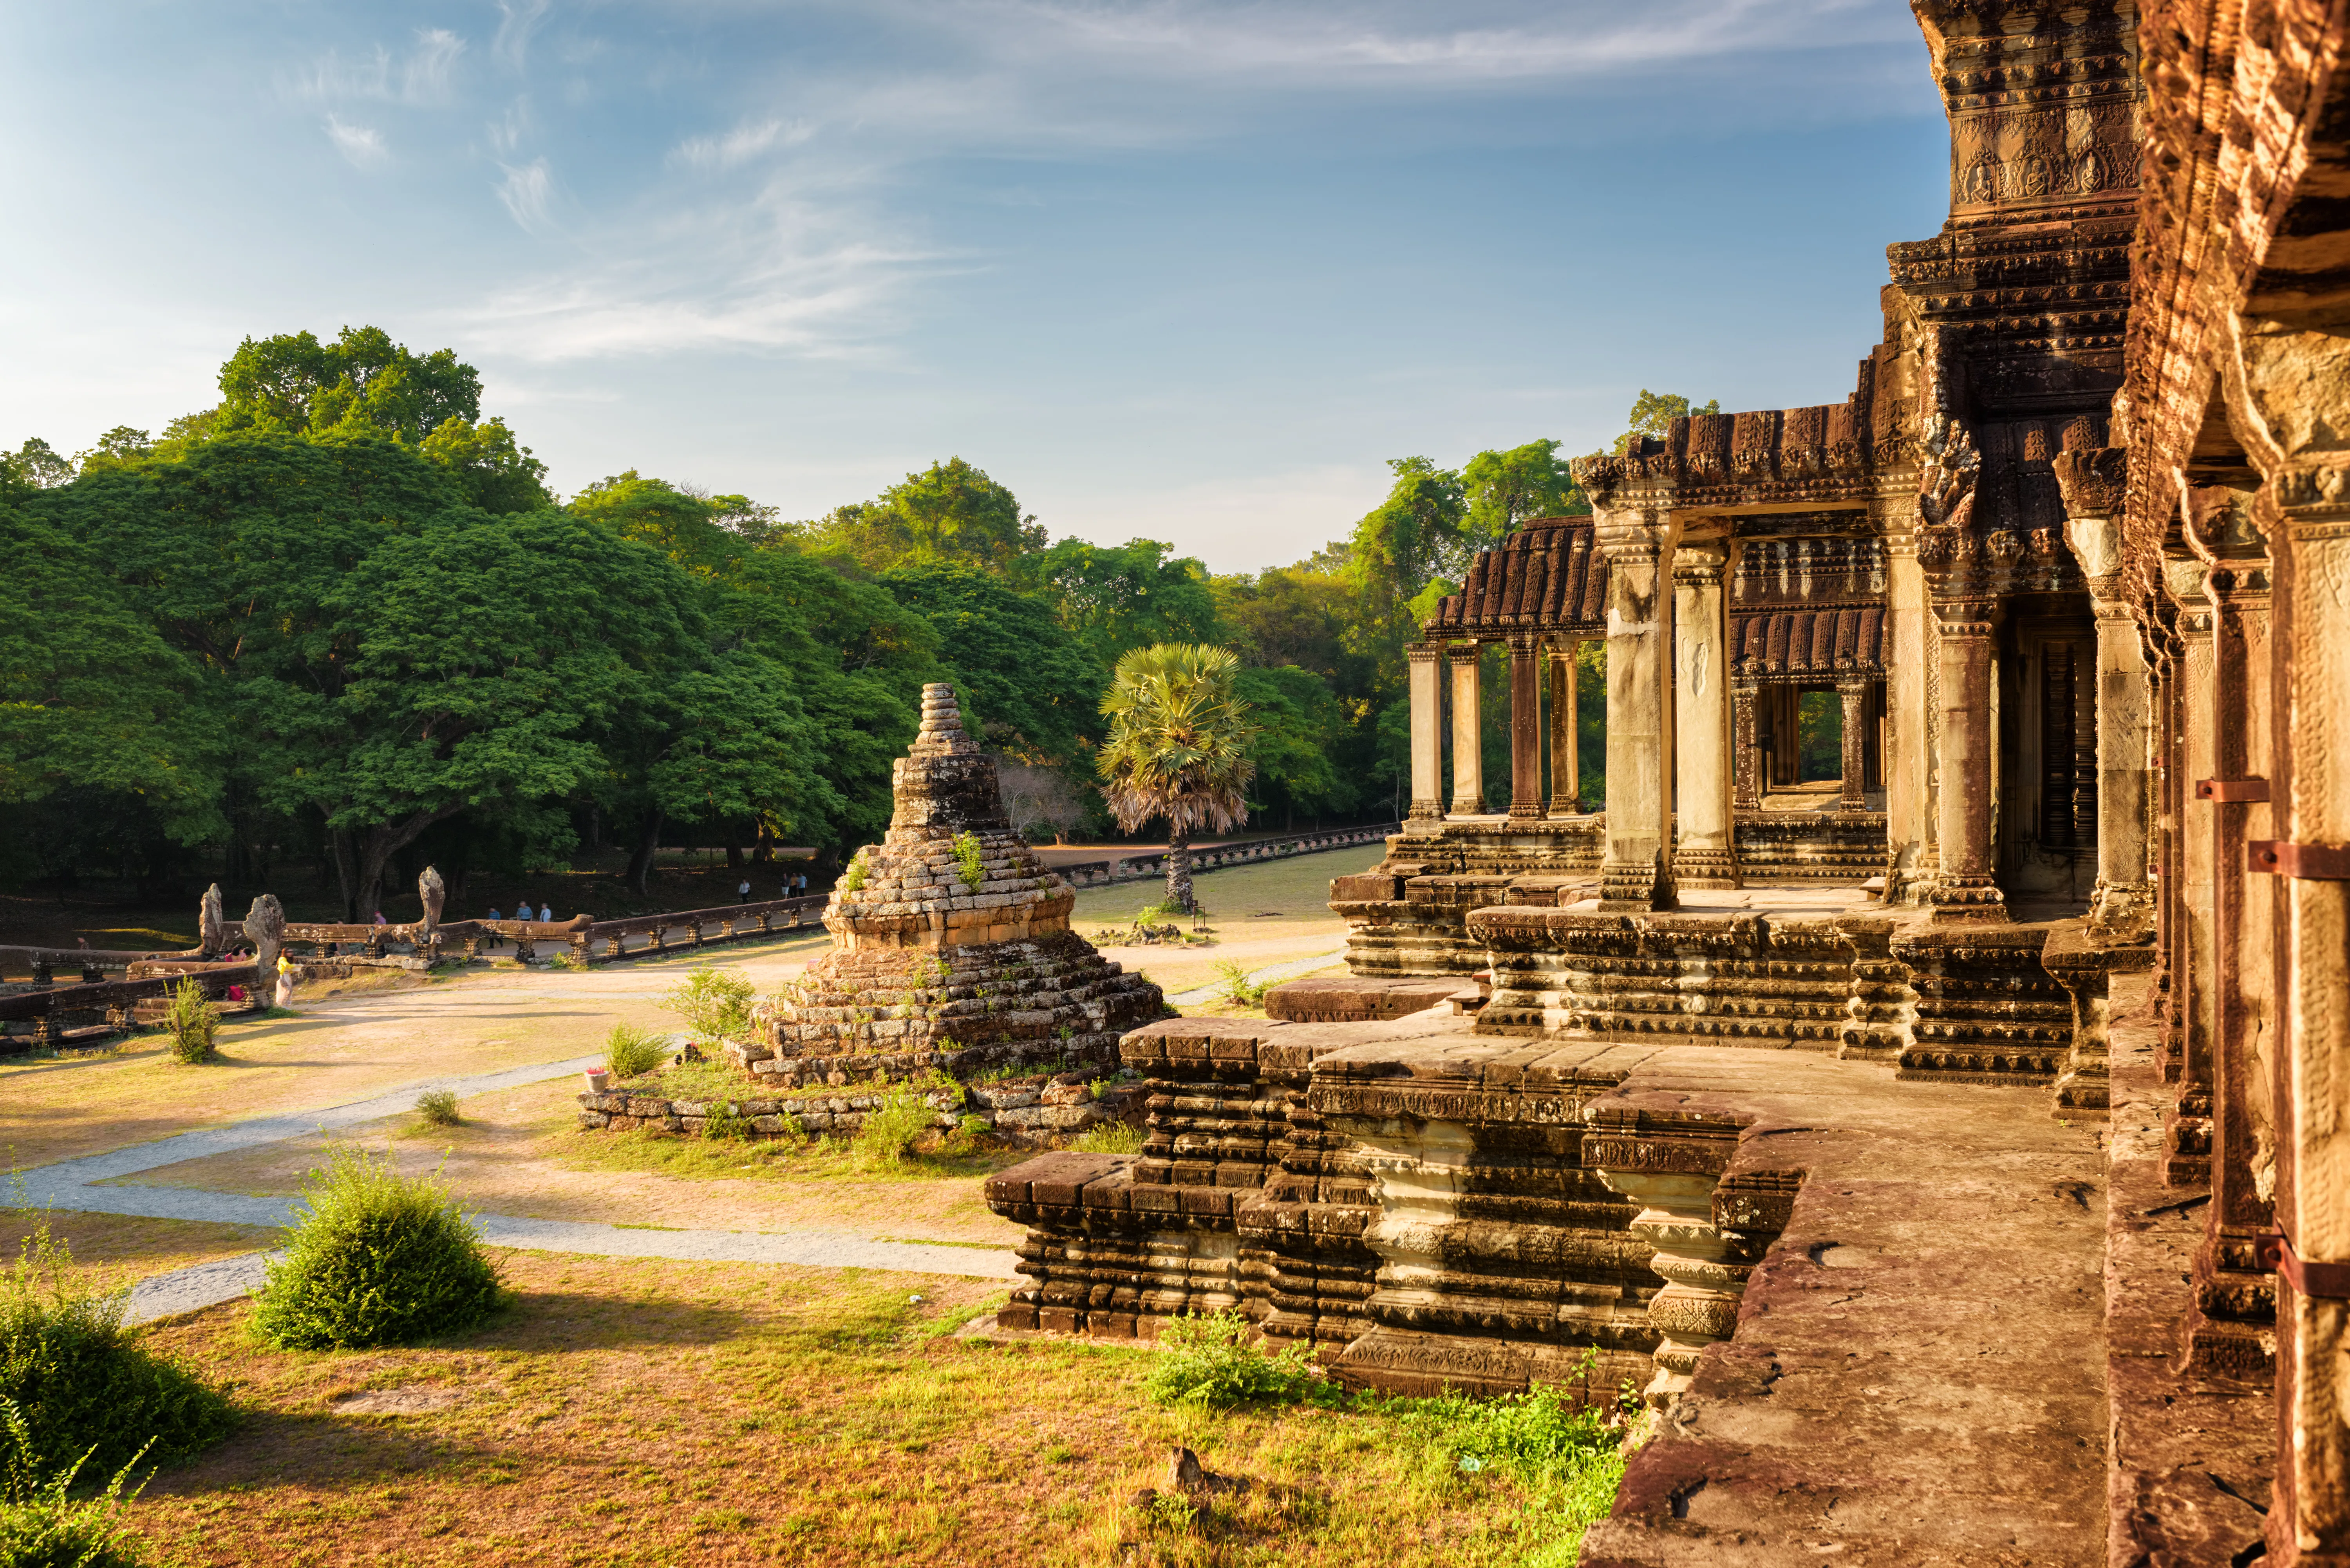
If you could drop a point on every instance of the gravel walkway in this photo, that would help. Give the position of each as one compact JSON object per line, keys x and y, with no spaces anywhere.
{"x":69,"y":1186}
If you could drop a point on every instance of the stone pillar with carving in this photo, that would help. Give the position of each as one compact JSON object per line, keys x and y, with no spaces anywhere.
{"x":1705,"y":851}
{"x":1745,"y":749}
{"x":1427,"y":664}
{"x":1909,"y":640}
{"x":1566,"y":766}
{"x":2121,"y":909}
{"x":1525,"y":727}
{"x":2194,"y":984}
{"x":264,"y":928}
{"x":1965,"y":888}
{"x":211,"y":923}
{"x":1467,"y":736}
{"x":2232,"y":1333}
{"x":1854,"y":690}
{"x":1638,"y":871}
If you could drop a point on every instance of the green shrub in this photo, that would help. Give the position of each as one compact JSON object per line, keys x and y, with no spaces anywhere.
{"x":439,"y":1106}
{"x":971,"y":859}
{"x":1110,"y":1138}
{"x":1211,"y":1361}
{"x":192,"y":1023}
{"x":721,"y":1119}
{"x":890,"y":1128}
{"x":40,"y":1526}
{"x":1569,"y":1460}
{"x":852,"y":879}
{"x":84,"y":1386}
{"x":1233,"y":981}
{"x":715,"y":1002}
{"x":631,"y":1053}
{"x":380,"y":1258}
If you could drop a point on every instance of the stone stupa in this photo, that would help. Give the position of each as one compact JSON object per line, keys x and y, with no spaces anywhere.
{"x":932,"y":969}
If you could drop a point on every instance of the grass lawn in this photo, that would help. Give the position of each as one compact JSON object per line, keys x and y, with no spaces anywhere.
{"x":655,"y":1413}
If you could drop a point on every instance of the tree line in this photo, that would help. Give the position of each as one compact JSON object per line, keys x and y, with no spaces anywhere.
{"x":338,"y":619}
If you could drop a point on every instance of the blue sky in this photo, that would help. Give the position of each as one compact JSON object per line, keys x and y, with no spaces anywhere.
{"x":1183,"y":269}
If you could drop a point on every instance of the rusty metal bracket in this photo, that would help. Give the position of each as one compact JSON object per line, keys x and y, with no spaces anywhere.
{"x":2308,"y":862}
{"x":2243,"y":790}
{"x":2274,"y":1251}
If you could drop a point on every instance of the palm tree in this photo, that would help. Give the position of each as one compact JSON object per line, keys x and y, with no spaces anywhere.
{"x":1178,"y":748}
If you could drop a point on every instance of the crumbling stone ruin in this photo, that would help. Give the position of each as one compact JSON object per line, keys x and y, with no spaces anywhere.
{"x":1955,"y":1156}
{"x":952,"y":947}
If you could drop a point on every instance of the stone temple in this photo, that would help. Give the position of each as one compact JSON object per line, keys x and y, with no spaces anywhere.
{"x":1957,"y":1153}
{"x":952,"y":947}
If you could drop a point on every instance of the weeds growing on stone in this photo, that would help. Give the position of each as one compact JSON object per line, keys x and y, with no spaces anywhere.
{"x":82,"y":1383}
{"x":631,"y":1052}
{"x":889,"y":1130}
{"x":970,"y":859}
{"x":380,"y":1258}
{"x":439,"y":1108}
{"x":192,"y":1023}
{"x":1110,"y":1138}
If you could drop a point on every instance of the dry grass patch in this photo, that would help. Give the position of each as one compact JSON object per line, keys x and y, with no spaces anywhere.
{"x":110,"y":1250}
{"x":649,"y":1412}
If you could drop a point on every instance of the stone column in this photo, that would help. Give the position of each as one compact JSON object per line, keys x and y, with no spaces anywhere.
{"x":1965,"y":888}
{"x":2193,"y":982}
{"x":1855,"y":692}
{"x":1566,"y":766}
{"x":1705,"y":854}
{"x":1908,"y":760}
{"x":2233,"y":1330}
{"x":2121,"y":909}
{"x":1638,"y":871}
{"x":1525,"y":727}
{"x":1467,"y":740}
{"x":1427,"y":730}
{"x":1745,"y":758}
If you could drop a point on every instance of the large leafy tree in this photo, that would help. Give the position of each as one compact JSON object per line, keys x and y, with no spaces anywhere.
{"x":951,"y":512}
{"x":1653,"y":414}
{"x":1302,"y":738}
{"x":1178,"y":749}
{"x":1114,"y":598}
{"x":1503,"y":489}
{"x":1028,"y":688}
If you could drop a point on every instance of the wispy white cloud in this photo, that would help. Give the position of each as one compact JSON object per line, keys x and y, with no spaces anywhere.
{"x":419,"y":76}
{"x":517,"y":19}
{"x":528,"y":191}
{"x":739,"y":145}
{"x":362,"y":145}
{"x":507,"y":131}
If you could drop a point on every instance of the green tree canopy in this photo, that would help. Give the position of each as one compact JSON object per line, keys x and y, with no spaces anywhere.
{"x":362,"y":380}
{"x":1503,"y":489}
{"x":1653,"y":414}
{"x":951,"y":513}
{"x":1113,"y":597}
{"x":1032,"y":689}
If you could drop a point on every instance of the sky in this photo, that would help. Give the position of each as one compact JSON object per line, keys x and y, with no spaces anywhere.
{"x":1191,"y":270}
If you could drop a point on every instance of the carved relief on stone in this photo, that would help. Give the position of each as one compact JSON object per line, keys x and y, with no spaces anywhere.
{"x":433,"y":892}
{"x":211,"y":923}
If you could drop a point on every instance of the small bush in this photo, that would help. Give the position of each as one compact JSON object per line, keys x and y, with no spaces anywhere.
{"x":439,"y":1106}
{"x":40,"y":1526}
{"x":853,"y":879}
{"x":1233,"y":981}
{"x":721,"y":1119}
{"x":380,"y":1258}
{"x":971,"y":859}
{"x":890,"y":1128}
{"x":1110,"y":1138}
{"x":631,"y":1053}
{"x":715,"y":1002}
{"x":192,"y":1023}
{"x":1210,"y":1361}
{"x":84,"y":1385}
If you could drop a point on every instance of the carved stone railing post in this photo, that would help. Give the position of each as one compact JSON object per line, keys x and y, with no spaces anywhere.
{"x":1670,"y":1163}
{"x":1745,"y":748}
{"x":1854,"y":794}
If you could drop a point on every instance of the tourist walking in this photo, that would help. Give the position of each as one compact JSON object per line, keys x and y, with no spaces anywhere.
{"x":742,"y":893}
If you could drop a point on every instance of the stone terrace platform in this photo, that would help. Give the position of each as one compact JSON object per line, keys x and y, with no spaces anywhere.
{"x":1915,"y":1373}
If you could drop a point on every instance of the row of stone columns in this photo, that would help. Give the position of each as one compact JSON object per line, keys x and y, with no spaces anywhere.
{"x":1535,"y":664}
